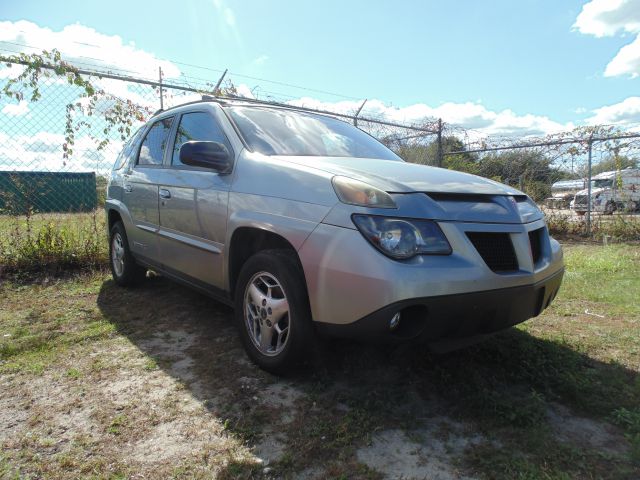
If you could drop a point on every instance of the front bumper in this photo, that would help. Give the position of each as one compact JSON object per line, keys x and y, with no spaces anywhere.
{"x":449,"y":317}
{"x":355,"y":289}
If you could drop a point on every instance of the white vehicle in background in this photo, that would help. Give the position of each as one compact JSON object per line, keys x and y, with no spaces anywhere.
{"x":562,"y":193}
{"x":610,"y":192}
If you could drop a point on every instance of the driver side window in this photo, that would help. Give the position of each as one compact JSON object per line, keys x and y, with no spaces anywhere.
{"x":199,"y":126}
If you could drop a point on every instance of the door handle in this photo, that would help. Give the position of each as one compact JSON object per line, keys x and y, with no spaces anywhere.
{"x":128,"y":188}
{"x":164,"y":193}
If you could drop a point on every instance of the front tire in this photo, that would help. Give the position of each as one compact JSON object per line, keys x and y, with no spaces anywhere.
{"x":272,"y":310}
{"x":124,"y":269}
{"x":610,"y":207}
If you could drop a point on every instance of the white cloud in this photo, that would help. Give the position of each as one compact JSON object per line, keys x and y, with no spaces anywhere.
{"x":16,"y":109}
{"x":10,"y":72}
{"x":43,"y":152}
{"x":606,"y":18}
{"x":468,"y":115}
{"x":85,"y":47}
{"x":624,"y":113}
{"x":244,"y":91}
{"x":626,"y":62}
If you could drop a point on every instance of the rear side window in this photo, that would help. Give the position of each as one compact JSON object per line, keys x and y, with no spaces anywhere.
{"x":198,"y":126}
{"x":154,"y":144}
{"x":127,"y":150}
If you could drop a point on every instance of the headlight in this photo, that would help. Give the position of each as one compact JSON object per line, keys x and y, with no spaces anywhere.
{"x":355,"y":192}
{"x":402,"y":238}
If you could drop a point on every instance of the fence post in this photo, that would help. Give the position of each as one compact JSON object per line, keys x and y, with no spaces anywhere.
{"x":216,"y":89}
{"x":160,"y":81}
{"x":589,"y":189}
{"x":439,"y":155}
{"x":355,"y":117}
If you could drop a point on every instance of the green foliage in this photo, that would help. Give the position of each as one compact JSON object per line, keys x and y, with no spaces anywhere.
{"x":428,"y":154}
{"x":615,"y":162}
{"x":527,"y":170}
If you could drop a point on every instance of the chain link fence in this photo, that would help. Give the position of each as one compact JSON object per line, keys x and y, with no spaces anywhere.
{"x":60,"y":136}
{"x":587,"y":180}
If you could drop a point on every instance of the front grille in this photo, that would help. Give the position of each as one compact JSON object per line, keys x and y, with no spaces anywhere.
{"x":496,"y":250}
{"x":535,"y":240}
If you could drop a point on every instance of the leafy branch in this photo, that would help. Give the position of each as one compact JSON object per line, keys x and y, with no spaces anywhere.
{"x":119,"y":114}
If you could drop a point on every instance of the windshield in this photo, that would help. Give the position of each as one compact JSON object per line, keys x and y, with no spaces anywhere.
{"x":273,"y":131}
{"x":608,"y":182}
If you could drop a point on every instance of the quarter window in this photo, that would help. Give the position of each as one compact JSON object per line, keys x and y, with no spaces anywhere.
{"x":154,"y":144}
{"x":198,"y":126}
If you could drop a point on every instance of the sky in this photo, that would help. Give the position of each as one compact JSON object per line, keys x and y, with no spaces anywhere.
{"x":500,"y":67}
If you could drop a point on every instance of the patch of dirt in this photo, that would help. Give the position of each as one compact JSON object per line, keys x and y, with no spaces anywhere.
{"x":174,"y":440}
{"x":600,"y":436}
{"x":271,"y":447}
{"x":425,"y":453}
{"x":13,"y":414}
{"x":281,"y":398}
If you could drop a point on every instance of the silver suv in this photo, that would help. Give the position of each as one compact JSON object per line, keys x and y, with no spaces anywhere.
{"x":307,"y":224}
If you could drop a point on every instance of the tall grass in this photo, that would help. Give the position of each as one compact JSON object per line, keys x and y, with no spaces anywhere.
{"x":55,"y":242}
{"x":52,"y":243}
{"x":614,"y":227}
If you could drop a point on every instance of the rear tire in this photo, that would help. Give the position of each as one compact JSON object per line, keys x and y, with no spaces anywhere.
{"x":124,"y":269}
{"x":272,"y":311}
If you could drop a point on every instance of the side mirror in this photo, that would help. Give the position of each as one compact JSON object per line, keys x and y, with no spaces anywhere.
{"x":211,"y":155}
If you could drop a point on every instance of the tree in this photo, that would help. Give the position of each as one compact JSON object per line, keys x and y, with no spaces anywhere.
{"x":428,"y":154}
{"x":614,"y":162}
{"x":527,"y":170}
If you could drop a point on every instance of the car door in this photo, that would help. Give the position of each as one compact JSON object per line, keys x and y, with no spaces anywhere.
{"x":140,"y":190}
{"x":193,"y":207}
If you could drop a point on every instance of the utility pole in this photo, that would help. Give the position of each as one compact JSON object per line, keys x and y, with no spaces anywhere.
{"x":439,"y":155}
{"x":160,"y":81}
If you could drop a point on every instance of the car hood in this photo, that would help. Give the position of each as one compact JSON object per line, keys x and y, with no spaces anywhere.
{"x":403,"y":177}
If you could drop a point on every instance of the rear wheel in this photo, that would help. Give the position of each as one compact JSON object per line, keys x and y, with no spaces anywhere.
{"x":272,"y":310}
{"x":124,"y":269}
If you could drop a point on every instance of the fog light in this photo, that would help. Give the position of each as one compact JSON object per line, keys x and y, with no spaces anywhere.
{"x":395,"y":321}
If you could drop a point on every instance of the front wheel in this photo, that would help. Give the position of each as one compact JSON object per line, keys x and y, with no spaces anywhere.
{"x":126,"y":272}
{"x":272,"y":310}
{"x":610,"y":207}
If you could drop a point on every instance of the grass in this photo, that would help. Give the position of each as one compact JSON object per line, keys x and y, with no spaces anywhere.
{"x":94,"y":386}
{"x":52,"y":242}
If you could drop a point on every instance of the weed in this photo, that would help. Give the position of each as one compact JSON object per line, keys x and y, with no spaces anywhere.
{"x":116,"y":424}
{"x":74,"y":373}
